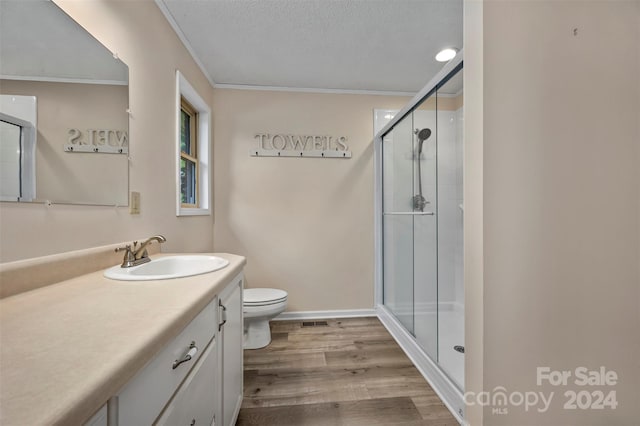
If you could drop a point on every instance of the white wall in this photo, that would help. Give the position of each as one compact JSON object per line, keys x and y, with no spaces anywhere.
{"x":140,"y":35}
{"x":305,"y":224}
{"x":560,"y":241}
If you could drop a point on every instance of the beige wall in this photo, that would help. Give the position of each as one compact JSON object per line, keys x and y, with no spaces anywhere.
{"x":305,"y":224}
{"x":561,"y":202}
{"x":473,"y":225}
{"x":140,"y":35}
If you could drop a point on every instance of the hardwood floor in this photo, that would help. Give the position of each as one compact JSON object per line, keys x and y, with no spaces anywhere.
{"x":350,"y":372}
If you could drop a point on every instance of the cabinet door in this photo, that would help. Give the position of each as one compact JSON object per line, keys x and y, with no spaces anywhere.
{"x":194,"y":402}
{"x":231,"y":350}
{"x":143,"y":398}
{"x":99,"y":418}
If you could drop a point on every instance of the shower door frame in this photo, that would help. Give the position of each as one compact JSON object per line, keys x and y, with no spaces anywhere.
{"x":448,"y":392}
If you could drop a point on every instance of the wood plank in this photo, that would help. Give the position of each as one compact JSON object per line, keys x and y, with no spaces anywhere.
{"x":373,"y":412}
{"x":326,"y":344}
{"x":291,"y":386}
{"x":386,"y":355}
{"x":433,"y":410}
{"x":269,"y":360}
{"x":337,"y":334}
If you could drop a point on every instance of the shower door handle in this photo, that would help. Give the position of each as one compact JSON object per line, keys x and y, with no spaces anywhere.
{"x":409,"y":214}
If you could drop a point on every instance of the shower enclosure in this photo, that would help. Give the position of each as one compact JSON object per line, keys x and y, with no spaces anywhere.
{"x":420,"y":293}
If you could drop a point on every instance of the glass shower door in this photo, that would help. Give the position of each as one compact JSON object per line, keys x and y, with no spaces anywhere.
{"x":397,"y":221}
{"x":422,"y":235}
{"x":426,"y":230}
{"x":410,"y":278}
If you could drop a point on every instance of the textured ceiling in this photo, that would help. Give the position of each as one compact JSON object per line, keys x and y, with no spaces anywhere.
{"x":361,"y":45}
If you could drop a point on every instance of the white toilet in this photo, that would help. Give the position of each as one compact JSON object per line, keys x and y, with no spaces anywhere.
{"x":261,"y":305}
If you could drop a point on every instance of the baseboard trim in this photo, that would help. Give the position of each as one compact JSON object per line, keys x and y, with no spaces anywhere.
{"x":340,"y":313}
{"x":441,"y":384}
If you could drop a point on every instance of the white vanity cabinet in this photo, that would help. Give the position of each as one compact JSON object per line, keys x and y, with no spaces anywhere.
{"x":197,"y":378}
{"x":99,"y":418}
{"x":230,"y":353}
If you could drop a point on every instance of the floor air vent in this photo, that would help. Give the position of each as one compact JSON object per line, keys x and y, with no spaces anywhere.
{"x":314,"y":323}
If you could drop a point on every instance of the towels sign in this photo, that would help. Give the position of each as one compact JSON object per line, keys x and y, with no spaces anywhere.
{"x":103,"y":141}
{"x":304,"y":146}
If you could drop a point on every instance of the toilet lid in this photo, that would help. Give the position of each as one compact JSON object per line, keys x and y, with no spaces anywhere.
{"x":262,"y":296}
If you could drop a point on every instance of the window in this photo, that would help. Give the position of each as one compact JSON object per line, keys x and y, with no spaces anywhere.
{"x":193,"y":151}
{"x":188,"y":155}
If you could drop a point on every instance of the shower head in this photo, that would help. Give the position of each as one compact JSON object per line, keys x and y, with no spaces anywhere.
{"x":423,"y":135}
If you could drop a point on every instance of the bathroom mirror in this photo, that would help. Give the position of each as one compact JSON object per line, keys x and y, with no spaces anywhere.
{"x":64,"y":102}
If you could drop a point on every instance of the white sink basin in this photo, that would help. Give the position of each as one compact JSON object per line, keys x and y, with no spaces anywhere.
{"x":164,"y":268}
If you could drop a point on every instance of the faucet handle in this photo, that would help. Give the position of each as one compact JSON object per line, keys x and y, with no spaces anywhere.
{"x":129,"y":257}
{"x":127,"y":247}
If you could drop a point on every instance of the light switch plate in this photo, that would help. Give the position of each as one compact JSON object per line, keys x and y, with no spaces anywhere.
{"x":134,"y":203}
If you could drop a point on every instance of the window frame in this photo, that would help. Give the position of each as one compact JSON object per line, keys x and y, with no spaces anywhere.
{"x":191,"y":156}
{"x":202,"y":131}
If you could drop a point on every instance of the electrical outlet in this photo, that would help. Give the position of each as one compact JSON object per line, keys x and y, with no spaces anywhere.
{"x":134,"y":203}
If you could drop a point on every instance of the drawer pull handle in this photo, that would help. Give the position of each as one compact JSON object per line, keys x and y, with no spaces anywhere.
{"x":224,"y":316}
{"x":193,"y":350}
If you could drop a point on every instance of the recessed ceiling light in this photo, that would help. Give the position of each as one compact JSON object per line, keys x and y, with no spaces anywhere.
{"x":446,"y":55}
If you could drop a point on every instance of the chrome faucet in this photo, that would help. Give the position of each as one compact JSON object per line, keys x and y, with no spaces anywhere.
{"x":134,"y":255}
{"x":141,"y":252}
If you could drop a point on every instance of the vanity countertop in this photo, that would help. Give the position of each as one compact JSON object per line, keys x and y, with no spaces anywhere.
{"x":66,"y":348}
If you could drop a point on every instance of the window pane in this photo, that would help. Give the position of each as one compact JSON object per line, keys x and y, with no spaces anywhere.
{"x":185,"y":132}
{"x":188,"y":182}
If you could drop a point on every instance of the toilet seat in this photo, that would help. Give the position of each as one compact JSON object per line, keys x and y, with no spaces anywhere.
{"x":263,"y":296}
